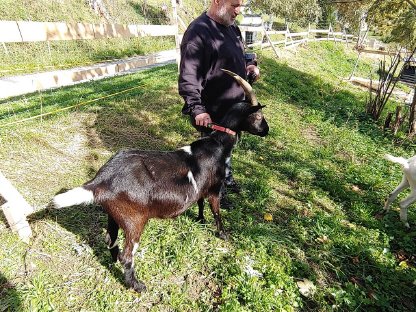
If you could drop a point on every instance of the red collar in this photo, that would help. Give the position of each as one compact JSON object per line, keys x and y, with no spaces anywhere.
{"x":222,"y":129}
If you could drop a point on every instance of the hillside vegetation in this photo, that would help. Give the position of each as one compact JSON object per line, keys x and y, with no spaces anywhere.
{"x":320,"y":173}
{"x":30,"y":57}
{"x":120,"y":11}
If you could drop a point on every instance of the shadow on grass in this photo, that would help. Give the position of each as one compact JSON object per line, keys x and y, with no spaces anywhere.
{"x":87,"y":222}
{"x":314,"y":96}
{"x":9,"y":297}
{"x":352,"y":255}
{"x":353,"y":262}
{"x":327,"y":249}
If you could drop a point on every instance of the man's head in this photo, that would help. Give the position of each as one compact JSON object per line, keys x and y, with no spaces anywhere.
{"x":225,"y":11}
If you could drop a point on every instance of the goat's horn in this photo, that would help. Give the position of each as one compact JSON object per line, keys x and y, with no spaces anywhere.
{"x":245,"y":85}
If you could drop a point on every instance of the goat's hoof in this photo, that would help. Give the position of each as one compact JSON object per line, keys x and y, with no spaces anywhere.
{"x":406,"y":224}
{"x":138,"y":286}
{"x":201,"y":220}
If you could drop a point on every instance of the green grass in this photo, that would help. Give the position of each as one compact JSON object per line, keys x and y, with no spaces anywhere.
{"x":320,"y":173}
{"x":32,"y":57}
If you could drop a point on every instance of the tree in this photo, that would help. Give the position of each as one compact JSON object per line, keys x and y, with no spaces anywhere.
{"x":399,"y":18}
{"x":299,"y":11}
{"x":328,"y":12}
{"x":350,"y":12}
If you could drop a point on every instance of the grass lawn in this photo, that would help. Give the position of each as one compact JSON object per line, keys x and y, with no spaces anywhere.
{"x":320,"y":173}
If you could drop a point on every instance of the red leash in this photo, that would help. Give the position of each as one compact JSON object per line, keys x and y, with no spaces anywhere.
{"x":222,"y":129}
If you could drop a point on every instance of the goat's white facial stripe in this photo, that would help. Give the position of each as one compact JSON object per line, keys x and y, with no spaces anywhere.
{"x":192,"y":180}
{"x":187,"y":149}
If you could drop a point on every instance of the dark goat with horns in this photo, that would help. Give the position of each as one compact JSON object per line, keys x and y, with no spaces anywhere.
{"x":134,"y":185}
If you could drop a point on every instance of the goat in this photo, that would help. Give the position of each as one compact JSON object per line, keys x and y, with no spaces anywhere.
{"x":408,"y":180}
{"x":134,"y":185}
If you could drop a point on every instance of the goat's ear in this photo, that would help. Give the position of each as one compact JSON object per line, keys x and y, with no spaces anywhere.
{"x":256,"y":108}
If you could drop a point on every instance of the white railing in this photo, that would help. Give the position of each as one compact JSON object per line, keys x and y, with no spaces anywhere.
{"x":23,"y":31}
{"x":290,"y":39}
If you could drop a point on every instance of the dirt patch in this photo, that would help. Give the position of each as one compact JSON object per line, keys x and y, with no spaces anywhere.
{"x":312,"y":135}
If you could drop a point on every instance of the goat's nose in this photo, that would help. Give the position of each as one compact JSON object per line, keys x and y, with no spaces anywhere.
{"x":264,"y":132}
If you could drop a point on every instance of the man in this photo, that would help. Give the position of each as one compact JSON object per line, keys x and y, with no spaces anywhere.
{"x":211,"y":42}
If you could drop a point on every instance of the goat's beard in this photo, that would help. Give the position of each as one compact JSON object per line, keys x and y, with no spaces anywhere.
{"x":224,"y":16}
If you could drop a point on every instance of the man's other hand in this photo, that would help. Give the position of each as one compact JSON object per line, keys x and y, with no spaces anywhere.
{"x":253,"y":73}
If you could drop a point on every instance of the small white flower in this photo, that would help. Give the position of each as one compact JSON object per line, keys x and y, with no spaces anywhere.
{"x":249,"y":268}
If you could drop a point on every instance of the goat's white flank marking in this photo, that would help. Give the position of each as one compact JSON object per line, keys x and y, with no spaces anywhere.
{"x":187,"y":149}
{"x":192,"y":180}
{"x":76,"y":196}
{"x":135,"y":246}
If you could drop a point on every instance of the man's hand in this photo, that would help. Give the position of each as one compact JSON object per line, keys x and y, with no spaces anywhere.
{"x":253,"y":73}
{"x":203,"y":119}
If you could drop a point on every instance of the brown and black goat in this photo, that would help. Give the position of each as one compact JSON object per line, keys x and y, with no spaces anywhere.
{"x":134,"y":185}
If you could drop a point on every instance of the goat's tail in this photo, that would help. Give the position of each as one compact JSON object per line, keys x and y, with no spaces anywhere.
{"x":76,"y":196}
{"x":398,"y":160}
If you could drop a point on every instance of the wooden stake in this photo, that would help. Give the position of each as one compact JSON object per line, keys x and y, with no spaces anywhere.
{"x":15,"y":209}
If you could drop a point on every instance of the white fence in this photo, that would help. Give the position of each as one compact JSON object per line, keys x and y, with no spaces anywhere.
{"x":23,"y":31}
{"x":290,"y":39}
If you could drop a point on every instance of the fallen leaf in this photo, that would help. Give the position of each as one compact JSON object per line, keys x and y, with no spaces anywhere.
{"x":268,"y":217}
{"x":355,"y":260}
{"x":306,"y":287}
{"x":403,"y":265}
{"x":323,"y":239}
{"x":356,"y":189}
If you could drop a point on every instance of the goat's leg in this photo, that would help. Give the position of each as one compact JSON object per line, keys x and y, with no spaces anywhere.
{"x":393,"y":195}
{"x":404,"y":205}
{"x":214,"y":202}
{"x":111,"y":238}
{"x":201,"y":210}
{"x":133,"y":229}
